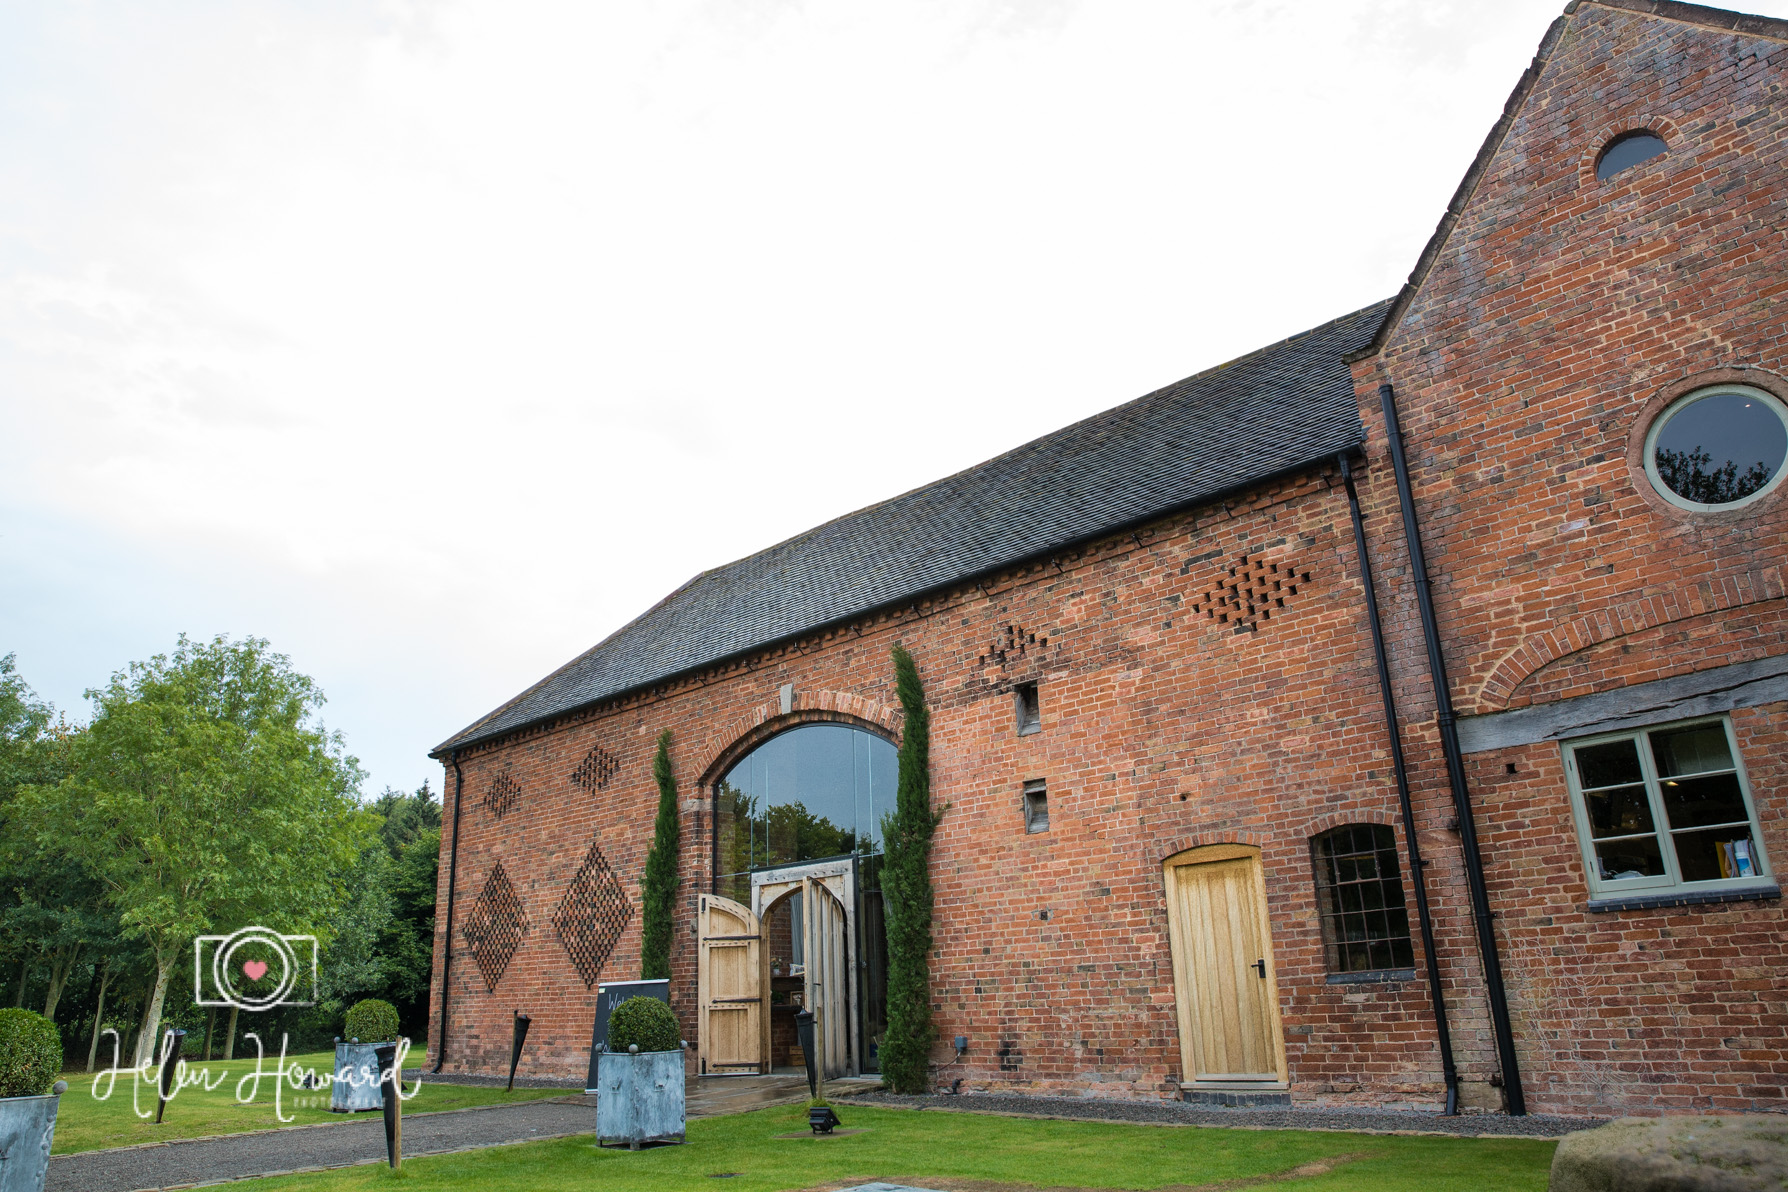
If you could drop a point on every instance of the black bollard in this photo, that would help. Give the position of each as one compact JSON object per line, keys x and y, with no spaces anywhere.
{"x":391,"y":1083}
{"x":521,"y":1037}
{"x":804,"y":1031}
{"x":170,"y":1058}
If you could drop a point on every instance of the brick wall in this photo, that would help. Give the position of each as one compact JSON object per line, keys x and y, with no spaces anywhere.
{"x":1561,"y":315}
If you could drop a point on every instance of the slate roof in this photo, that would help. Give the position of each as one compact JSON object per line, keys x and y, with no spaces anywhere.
{"x":1269,"y":412}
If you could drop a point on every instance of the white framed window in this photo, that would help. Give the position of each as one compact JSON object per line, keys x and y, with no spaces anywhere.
{"x":1665,"y":808}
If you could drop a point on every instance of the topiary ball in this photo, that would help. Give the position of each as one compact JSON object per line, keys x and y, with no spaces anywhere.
{"x":645,"y":1021}
{"x":371,"y":1021}
{"x":30,"y":1053}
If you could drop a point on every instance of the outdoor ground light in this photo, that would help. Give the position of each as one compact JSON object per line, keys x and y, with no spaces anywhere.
{"x":822,"y":1119}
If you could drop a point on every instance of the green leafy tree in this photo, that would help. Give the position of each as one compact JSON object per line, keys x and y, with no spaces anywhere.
{"x":906,"y":891}
{"x":658,"y":886}
{"x":204,"y":797}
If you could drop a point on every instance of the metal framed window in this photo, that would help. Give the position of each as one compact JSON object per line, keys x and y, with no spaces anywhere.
{"x":1359,"y":896}
{"x":1665,"y":807}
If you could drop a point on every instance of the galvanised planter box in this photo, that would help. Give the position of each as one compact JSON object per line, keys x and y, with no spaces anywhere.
{"x":639,"y":1097}
{"x":27,"y":1125}
{"x":357,"y":1074}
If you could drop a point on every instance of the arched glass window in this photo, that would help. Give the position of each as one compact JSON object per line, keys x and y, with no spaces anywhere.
{"x":820,"y":790}
{"x":1359,"y":894}
{"x":1627,"y":150}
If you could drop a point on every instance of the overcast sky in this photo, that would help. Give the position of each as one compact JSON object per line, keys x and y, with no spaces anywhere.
{"x":434,"y":342}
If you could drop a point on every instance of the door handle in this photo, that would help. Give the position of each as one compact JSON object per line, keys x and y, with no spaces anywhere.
{"x":1262,"y":966}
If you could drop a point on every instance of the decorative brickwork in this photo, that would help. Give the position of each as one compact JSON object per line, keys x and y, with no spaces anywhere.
{"x":592,"y":915}
{"x":495,"y":926}
{"x":1249,"y":590}
{"x":1013,"y":644}
{"x":501,"y":795}
{"x":598,"y":766}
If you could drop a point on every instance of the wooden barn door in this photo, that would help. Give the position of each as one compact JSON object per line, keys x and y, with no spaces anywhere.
{"x":828,"y":985}
{"x":1223,"y":966}
{"x":730,"y":983}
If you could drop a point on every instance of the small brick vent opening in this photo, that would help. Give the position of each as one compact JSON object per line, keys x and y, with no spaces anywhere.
{"x":1250,"y":590}
{"x":1013,"y":643}
{"x":592,"y":915}
{"x":503,"y":795}
{"x":598,"y":766}
{"x":495,"y":927}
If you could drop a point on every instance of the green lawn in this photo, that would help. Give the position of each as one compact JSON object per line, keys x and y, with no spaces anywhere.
{"x":86,"y":1123}
{"x":933,"y":1147}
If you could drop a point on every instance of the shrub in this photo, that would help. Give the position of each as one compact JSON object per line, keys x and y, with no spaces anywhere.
{"x":372,"y":1021}
{"x":30,"y":1053}
{"x":645,"y":1021}
{"x":658,"y":888}
{"x":906,"y":890}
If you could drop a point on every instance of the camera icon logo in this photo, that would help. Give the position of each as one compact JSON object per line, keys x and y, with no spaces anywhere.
{"x":255,"y":968}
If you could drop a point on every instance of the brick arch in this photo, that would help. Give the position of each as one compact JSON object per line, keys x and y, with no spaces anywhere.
{"x":1662,"y":127}
{"x":1341,"y":819}
{"x":740,"y":736}
{"x":1635,"y":613}
{"x":1180,"y":844}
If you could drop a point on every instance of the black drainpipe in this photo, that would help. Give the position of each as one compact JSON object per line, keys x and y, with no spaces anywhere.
{"x":1442,"y":1033}
{"x":459,"y":782}
{"x":1481,"y":914}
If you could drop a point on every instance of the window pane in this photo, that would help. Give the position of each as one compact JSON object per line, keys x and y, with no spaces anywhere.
{"x":1365,"y":925}
{"x":1713,"y":799}
{"x":1716,"y":853}
{"x":1638,"y":857}
{"x":1612,"y":763}
{"x":1691,"y":751}
{"x":1619,"y":811}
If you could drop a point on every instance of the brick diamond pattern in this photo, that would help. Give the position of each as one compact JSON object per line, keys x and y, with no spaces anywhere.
{"x":598,"y":766}
{"x":592,"y":915}
{"x":503,"y":794}
{"x":495,"y":927}
{"x":1014,"y":643}
{"x":1249,"y":591}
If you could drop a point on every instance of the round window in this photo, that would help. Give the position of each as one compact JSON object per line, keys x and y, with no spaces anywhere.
{"x":1718,"y":448}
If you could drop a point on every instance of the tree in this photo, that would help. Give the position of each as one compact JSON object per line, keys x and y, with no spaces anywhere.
{"x":1688,"y":475}
{"x":204,"y":798}
{"x":658,"y":887}
{"x":906,"y":890}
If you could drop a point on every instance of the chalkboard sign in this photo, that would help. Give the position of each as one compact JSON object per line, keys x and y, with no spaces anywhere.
{"x":609,"y":996}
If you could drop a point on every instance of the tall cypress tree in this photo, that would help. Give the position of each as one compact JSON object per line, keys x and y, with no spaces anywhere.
{"x":658,"y":889}
{"x":906,"y":889}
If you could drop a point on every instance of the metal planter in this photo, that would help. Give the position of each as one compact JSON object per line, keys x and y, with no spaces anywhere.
{"x":27,"y":1126}
{"x":357,"y":1074}
{"x":639,"y":1097}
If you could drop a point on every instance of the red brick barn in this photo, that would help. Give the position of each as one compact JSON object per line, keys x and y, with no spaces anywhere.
{"x":1209,"y":830}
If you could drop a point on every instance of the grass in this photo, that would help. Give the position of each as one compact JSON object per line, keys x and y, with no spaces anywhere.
{"x":86,"y":1123}
{"x":927,"y":1148}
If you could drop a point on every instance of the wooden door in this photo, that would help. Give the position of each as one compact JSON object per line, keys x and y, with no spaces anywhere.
{"x":730,"y":984}
{"x":1223,"y":966}
{"x":827,"y":991}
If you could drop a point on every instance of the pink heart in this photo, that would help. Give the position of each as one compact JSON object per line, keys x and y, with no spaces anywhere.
{"x":256,"y":969}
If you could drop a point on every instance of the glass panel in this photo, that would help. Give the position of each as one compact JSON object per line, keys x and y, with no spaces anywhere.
{"x":1612,"y":763}
{"x":1618,"y":811}
{"x":1710,"y":799}
{"x":1623,"y":859}
{"x":1691,"y":751}
{"x":821,"y":790}
{"x":1716,"y":853}
{"x":1720,"y":448}
{"x":1360,"y":896}
{"x":1628,"y":151}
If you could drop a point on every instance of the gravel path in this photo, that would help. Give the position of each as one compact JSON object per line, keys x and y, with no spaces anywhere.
{"x":1377,"y":1121}
{"x":299,"y":1148}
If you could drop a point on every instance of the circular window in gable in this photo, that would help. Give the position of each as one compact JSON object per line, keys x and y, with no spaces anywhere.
{"x":1718,"y":448}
